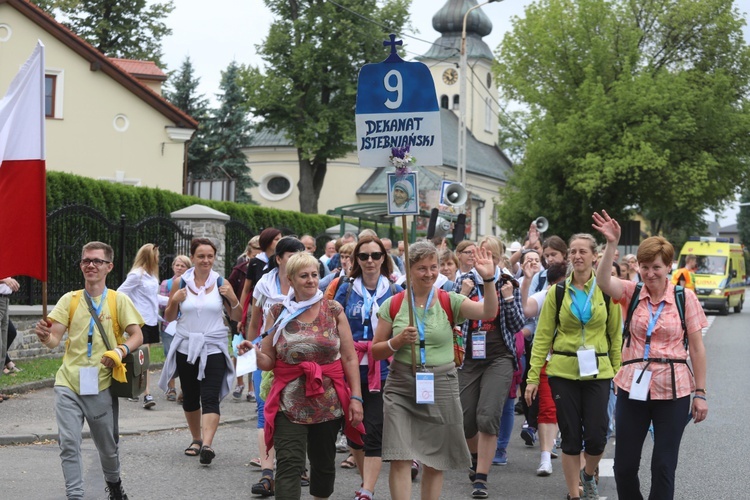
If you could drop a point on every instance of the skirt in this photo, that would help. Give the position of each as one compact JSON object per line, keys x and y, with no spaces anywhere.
{"x":430,"y":433}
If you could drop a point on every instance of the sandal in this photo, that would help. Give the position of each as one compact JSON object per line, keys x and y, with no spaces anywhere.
{"x":194,"y":452}
{"x":348,"y":462}
{"x":264,"y":487}
{"x":304,"y":479}
{"x":171,"y":394}
{"x":207,"y":455}
{"x":480,"y":490}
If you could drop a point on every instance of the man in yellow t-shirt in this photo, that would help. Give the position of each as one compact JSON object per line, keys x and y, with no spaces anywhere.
{"x":684,"y":275}
{"x":82,"y":382}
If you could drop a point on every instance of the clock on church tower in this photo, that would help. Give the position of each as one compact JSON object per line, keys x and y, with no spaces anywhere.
{"x":450,"y":76}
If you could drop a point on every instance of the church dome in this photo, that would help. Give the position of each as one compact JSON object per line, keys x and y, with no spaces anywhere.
{"x":449,"y":22}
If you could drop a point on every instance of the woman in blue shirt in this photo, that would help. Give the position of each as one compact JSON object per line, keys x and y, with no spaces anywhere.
{"x":369,"y":286}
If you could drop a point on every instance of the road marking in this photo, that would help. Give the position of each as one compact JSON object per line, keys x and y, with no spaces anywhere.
{"x":710,"y":322}
{"x":606,"y":467}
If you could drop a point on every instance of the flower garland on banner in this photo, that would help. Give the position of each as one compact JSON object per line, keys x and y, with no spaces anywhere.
{"x":401,"y":159}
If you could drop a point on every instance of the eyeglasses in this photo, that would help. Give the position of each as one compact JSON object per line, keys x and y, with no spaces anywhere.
{"x":96,"y":262}
{"x":364,"y":257}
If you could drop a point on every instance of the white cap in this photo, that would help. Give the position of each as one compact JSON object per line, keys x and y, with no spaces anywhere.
{"x":514,"y":247}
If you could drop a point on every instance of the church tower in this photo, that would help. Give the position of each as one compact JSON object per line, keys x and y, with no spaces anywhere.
{"x":443,"y":58}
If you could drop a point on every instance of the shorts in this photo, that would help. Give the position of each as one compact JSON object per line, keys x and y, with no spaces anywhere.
{"x":151,"y":334}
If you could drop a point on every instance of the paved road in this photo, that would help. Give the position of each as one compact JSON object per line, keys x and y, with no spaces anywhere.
{"x":712,"y":461}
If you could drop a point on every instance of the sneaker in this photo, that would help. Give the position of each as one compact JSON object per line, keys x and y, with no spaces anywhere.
{"x":501,"y":457}
{"x":341,"y":445}
{"x":529,"y":436}
{"x":590,"y":489}
{"x":115,"y":491}
{"x":133,"y":400}
{"x":415,"y":468}
{"x":544,"y":469}
{"x":518,"y":408}
{"x":171,"y":394}
{"x":148,"y":401}
{"x":250,"y":397}
{"x":237,"y":394}
{"x":362,"y":495}
{"x":553,"y":452}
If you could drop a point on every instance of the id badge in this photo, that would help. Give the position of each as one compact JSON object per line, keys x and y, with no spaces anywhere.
{"x":425,"y":388}
{"x":479,"y":346}
{"x":88,"y":377}
{"x":639,"y":389}
{"x":364,"y":361}
{"x":587,"y":361}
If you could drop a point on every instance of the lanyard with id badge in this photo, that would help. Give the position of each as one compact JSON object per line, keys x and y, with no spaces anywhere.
{"x":88,"y":376}
{"x":586,"y":354}
{"x":639,"y":388}
{"x":425,"y":381}
{"x":479,"y":338}
{"x":367,"y":301}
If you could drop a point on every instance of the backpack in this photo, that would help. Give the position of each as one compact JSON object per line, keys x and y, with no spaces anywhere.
{"x":219,"y":282}
{"x":541,"y":283}
{"x":559,"y":296}
{"x":237,"y":277}
{"x":679,"y":298}
{"x":334,"y":285}
{"x":75,"y":299}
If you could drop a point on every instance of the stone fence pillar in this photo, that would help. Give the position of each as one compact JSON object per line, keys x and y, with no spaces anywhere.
{"x":205,"y":222}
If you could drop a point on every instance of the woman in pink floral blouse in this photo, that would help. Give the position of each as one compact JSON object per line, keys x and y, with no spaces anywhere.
{"x":316,"y":382}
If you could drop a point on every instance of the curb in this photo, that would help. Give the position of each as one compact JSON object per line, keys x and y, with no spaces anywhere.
{"x":50,"y":382}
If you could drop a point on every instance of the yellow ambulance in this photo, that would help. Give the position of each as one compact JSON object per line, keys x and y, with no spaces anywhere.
{"x":720,"y":277}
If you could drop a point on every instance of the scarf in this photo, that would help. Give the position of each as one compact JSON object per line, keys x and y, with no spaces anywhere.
{"x":381,"y":289}
{"x":292,"y":309}
{"x":269,"y":286}
{"x":189,"y":278}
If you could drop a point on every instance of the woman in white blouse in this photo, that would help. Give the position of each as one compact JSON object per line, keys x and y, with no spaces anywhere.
{"x":142,"y":286}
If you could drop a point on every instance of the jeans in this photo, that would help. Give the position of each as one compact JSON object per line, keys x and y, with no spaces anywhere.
{"x":506,"y":424}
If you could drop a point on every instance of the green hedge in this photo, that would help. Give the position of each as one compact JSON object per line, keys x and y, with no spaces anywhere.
{"x":140,"y":202}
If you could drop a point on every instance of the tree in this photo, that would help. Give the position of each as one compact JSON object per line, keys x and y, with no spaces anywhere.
{"x":183,"y":93}
{"x":743,"y":222}
{"x":314,"y":51}
{"x":229,"y":132}
{"x":636,"y":106}
{"x":131,"y":30}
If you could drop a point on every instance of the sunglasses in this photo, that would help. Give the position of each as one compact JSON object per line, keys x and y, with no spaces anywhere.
{"x":364,"y":257}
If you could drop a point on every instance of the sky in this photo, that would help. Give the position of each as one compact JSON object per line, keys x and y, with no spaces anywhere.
{"x":235,"y":27}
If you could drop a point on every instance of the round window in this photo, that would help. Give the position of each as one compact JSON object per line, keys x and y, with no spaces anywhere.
{"x":278,"y":185}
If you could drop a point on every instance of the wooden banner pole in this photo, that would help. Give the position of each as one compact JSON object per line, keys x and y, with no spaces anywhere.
{"x":410,"y":305}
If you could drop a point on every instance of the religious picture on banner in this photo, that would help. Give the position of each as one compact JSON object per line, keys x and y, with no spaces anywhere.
{"x":403,"y":194}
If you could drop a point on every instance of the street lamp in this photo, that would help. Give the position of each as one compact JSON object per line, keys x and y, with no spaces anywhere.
{"x":463,"y":68}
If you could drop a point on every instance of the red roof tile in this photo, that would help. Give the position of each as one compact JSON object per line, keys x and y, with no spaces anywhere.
{"x":147,"y":70}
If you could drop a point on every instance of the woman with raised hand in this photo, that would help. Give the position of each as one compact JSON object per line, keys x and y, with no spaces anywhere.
{"x":655,"y":382}
{"x":199,"y":353}
{"x":584,"y":333}
{"x":180,"y":264}
{"x":316,"y":385}
{"x":361,"y":298}
{"x":426,"y":425}
{"x":142,"y":286}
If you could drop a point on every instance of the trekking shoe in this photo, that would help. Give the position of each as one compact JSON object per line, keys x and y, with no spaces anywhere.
{"x":480,"y":490}
{"x":237,"y":394}
{"x":115,"y":491}
{"x":529,"y":436}
{"x":415,"y":468}
{"x":501,"y":457}
{"x":341,"y":445}
{"x":544,"y":469}
{"x":148,"y":401}
{"x":171,"y":394}
{"x":590,"y":489}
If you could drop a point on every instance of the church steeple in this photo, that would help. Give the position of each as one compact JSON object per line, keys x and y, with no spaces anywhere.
{"x":449,"y":22}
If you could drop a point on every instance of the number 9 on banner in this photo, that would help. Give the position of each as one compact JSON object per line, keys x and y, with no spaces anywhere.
{"x":390,"y":88}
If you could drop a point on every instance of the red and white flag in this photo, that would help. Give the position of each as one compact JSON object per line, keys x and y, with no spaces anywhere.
{"x":23,"y":201}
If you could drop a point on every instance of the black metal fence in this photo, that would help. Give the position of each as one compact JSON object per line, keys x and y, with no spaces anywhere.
{"x":237,"y":234}
{"x":71,"y":227}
